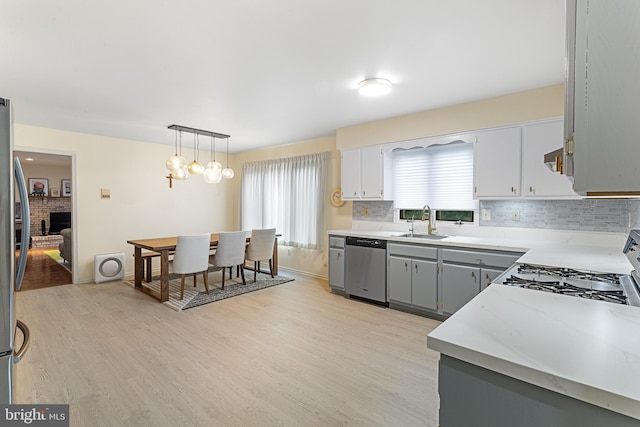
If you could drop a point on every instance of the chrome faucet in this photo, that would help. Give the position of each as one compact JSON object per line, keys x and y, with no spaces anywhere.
{"x":431,"y":227}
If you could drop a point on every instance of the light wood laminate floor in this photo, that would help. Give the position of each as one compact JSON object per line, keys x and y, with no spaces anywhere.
{"x":290,"y":355}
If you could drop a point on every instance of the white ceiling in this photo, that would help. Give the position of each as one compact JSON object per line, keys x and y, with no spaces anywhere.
{"x":267,"y":72}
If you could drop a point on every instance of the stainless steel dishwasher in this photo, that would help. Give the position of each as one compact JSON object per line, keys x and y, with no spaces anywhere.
{"x":366,"y":268}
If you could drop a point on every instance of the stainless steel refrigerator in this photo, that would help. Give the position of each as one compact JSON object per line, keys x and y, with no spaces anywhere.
{"x":11,"y":270}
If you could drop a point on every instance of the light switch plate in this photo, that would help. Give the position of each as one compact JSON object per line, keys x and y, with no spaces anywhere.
{"x":515,"y":215}
{"x":105,"y":193}
{"x":486,"y":214}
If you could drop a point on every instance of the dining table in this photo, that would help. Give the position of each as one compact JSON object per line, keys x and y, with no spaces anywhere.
{"x":164,"y":246}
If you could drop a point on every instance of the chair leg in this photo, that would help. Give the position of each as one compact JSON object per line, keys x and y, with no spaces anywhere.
{"x":255,"y":270}
{"x":182,"y":287}
{"x":230,"y":272}
{"x":271,"y":267}
{"x":204,"y":277}
{"x":237,"y":271}
{"x":223,"y":274}
{"x":244,"y":282}
{"x":195,"y":275}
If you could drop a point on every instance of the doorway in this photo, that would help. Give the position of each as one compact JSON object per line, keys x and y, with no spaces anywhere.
{"x":49,"y":179}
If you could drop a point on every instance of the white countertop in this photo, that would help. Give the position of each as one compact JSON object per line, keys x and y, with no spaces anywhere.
{"x":585,"y":349}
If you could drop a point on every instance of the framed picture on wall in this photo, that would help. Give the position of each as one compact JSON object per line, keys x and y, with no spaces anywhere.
{"x":38,"y":187}
{"x":66,"y":188}
{"x":55,"y":192}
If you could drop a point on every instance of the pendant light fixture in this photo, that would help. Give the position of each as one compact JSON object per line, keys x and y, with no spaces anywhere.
{"x":195,"y":168}
{"x":176,"y":161}
{"x":179,"y":168}
{"x":213,"y":173}
{"x":227,"y":172}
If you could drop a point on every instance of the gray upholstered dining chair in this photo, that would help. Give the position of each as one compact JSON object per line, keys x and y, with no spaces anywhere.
{"x":191,"y":257}
{"x":261,"y":248}
{"x":230,"y":252}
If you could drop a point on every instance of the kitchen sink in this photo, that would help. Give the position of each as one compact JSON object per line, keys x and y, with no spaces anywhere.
{"x":423,"y":236}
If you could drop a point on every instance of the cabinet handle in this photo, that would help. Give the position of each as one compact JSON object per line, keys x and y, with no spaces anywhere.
{"x":473,"y":274}
{"x":513,"y":189}
{"x":406,"y":266}
{"x":416,"y":266}
{"x":488,"y":278}
{"x":530,"y":189}
{"x":355,"y":193}
{"x":363,"y":193}
{"x":339,"y":255}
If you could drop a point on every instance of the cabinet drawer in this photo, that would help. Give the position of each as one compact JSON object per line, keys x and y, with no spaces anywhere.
{"x":336,"y":242}
{"x":413,"y":251}
{"x":497,"y":259}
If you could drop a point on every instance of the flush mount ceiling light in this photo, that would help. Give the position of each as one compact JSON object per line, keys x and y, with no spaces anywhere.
{"x":374,"y":87}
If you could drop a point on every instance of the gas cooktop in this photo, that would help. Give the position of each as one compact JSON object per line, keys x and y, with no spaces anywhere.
{"x":609,"y":287}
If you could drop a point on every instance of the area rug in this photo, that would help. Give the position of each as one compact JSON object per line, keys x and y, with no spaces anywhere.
{"x":195,"y":297}
{"x":54,"y":254}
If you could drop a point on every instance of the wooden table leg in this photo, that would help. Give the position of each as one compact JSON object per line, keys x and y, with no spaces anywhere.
{"x":137,"y":266}
{"x":164,"y":275}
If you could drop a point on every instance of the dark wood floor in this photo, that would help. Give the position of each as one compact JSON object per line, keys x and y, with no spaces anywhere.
{"x":42,"y":271}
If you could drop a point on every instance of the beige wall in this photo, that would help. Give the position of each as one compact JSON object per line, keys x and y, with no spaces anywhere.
{"x":141,"y":204}
{"x":520,"y":107}
{"x":306,"y":260}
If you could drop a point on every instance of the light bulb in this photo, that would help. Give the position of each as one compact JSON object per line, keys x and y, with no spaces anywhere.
{"x":175,"y":162}
{"x":181,"y":174}
{"x":195,"y":168}
{"x":214,"y":165}
{"x":227,"y":173}
{"x":212,"y":175}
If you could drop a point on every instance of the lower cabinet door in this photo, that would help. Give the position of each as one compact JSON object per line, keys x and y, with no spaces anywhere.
{"x":400,"y":279}
{"x":424,"y":290}
{"x":460,"y":284}
{"x":487,"y":276}
{"x":336,"y":268}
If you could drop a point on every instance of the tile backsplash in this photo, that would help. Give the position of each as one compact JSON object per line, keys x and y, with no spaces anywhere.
{"x":586,"y":214}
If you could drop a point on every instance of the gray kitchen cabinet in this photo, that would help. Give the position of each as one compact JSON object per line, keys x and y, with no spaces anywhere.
{"x":461,"y":284}
{"x":466,"y":272}
{"x":413,"y":275}
{"x":602,"y":96}
{"x":424,"y":284}
{"x":336,"y":262}
{"x":366,"y":174}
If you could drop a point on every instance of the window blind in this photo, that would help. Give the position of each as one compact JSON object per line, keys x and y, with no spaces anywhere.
{"x":439,"y":175}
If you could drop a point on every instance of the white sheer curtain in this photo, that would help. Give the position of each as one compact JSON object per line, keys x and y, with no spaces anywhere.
{"x":287,"y":194}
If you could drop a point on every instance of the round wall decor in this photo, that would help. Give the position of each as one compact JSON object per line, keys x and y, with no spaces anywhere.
{"x":336,"y":198}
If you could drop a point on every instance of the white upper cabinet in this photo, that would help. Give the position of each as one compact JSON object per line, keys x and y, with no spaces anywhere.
{"x":603,"y":95}
{"x":366,"y":174}
{"x":350,"y":175}
{"x":537,"y":179}
{"x":496,"y":163}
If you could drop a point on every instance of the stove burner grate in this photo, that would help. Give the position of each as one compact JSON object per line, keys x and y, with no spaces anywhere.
{"x":569,"y":273}
{"x":566,"y":289}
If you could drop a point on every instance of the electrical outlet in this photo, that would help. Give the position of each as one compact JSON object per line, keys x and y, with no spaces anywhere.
{"x":515,"y":215}
{"x":486,"y":214}
{"x":366,"y":211}
{"x":105,"y":193}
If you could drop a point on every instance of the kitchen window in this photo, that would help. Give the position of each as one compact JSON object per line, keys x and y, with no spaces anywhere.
{"x":287,"y":194}
{"x":440,"y":176}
